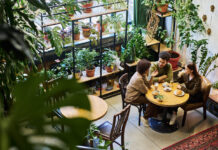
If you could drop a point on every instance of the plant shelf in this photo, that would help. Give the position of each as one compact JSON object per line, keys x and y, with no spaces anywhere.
{"x":150,"y":42}
{"x":104,"y":92}
{"x":163,"y":15}
{"x":97,"y":12}
{"x":133,"y":64}
{"x":84,"y":78}
{"x":163,"y":47}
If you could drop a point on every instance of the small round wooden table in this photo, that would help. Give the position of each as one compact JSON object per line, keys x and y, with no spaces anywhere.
{"x":169,"y":100}
{"x":98,"y":109}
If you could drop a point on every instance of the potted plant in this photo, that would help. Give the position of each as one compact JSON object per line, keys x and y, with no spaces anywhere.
{"x":86,"y":6}
{"x":159,"y":5}
{"x":109,"y":59}
{"x":128,"y":55}
{"x":94,"y":37}
{"x":86,"y":58}
{"x":104,"y":25}
{"x":71,"y":7}
{"x":174,"y":59}
{"x":107,"y":3}
{"x":76,"y":33}
{"x":86,"y":29}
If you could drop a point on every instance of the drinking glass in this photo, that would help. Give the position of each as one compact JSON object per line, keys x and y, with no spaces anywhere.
{"x":156,"y":86}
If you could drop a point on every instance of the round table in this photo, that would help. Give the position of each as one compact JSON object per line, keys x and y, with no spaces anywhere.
{"x":169,"y":100}
{"x":98,"y":109}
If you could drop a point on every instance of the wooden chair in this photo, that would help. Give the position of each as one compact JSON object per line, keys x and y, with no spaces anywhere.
{"x":123,"y":82}
{"x":205,"y":89}
{"x":110,"y":132}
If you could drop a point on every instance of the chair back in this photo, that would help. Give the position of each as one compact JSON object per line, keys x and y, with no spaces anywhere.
{"x":119,"y":123}
{"x":205,"y":88}
{"x":123,"y":82}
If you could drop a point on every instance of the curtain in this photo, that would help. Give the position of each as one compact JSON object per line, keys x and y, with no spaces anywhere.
{"x":141,"y":13}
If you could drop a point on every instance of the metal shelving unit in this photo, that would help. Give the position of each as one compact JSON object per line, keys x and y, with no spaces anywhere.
{"x":99,"y":73}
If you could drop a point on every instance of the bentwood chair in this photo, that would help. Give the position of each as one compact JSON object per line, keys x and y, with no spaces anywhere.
{"x":205,"y":89}
{"x":110,"y":132}
{"x":123,"y":82}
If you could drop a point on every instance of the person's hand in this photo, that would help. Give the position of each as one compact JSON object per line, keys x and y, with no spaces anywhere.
{"x":162,"y":78}
{"x":179,"y":87}
{"x":154,"y":74}
{"x":181,"y":73}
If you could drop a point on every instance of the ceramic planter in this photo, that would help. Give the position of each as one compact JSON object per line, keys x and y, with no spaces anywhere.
{"x":86,"y":32}
{"x":90,"y":73}
{"x":174,"y":59}
{"x":86,"y":7}
{"x":162,"y":8}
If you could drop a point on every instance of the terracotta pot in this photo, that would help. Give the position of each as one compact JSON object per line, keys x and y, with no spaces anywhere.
{"x":162,"y":8}
{"x":77,"y":36}
{"x":174,"y":61}
{"x":86,"y":32}
{"x":46,"y":38}
{"x":118,"y":48}
{"x":108,"y":69}
{"x":86,"y":9}
{"x":103,"y":27}
{"x":90,"y":73}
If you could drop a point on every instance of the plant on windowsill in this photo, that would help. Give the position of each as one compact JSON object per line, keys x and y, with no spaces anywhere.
{"x":106,"y":2}
{"x":86,"y":5}
{"x":109,"y":59}
{"x":76,"y":33}
{"x":94,"y":37}
{"x":115,"y":22}
{"x":71,"y":6}
{"x":104,"y":24}
{"x":86,"y":58}
{"x":86,"y":27}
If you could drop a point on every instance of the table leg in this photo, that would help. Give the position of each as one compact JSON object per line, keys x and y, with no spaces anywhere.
{"x":162,"y":126}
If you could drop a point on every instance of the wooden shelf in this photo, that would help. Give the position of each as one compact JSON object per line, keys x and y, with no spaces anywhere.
{"x":84,"y":78}
{"x":150,"y":41}
{"x":163,"y":47}
{"x":104,"y":92}
{"x":133,"y":64}
{"x":163,"y":15}
{"x":96,"y":12}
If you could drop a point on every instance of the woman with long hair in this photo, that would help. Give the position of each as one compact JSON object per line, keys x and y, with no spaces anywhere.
{"x":192,"y":85}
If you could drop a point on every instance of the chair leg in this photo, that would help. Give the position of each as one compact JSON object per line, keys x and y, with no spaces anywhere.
{"x":140,"y":110}
{"x":111,"y":146}
{"x":122,"y":142}
{"x":205,"y":112}
{"x":184,"y":118}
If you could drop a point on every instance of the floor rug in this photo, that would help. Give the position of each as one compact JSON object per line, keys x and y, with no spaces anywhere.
{"x":204,"y":140}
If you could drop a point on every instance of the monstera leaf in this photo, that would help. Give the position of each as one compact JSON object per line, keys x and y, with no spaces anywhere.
{"x":29,"y":113}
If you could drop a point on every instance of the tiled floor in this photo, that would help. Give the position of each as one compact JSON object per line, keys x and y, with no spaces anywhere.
{"x":144,"y":138}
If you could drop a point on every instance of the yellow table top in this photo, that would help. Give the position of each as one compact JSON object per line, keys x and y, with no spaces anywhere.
{"x":98,"y":109}
{"x":169,"y":99}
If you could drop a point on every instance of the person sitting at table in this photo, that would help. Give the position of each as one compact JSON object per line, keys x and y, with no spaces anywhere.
{"x":137,"y":88}
{"x":163,"y":68}
{"x":192,"y":80}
